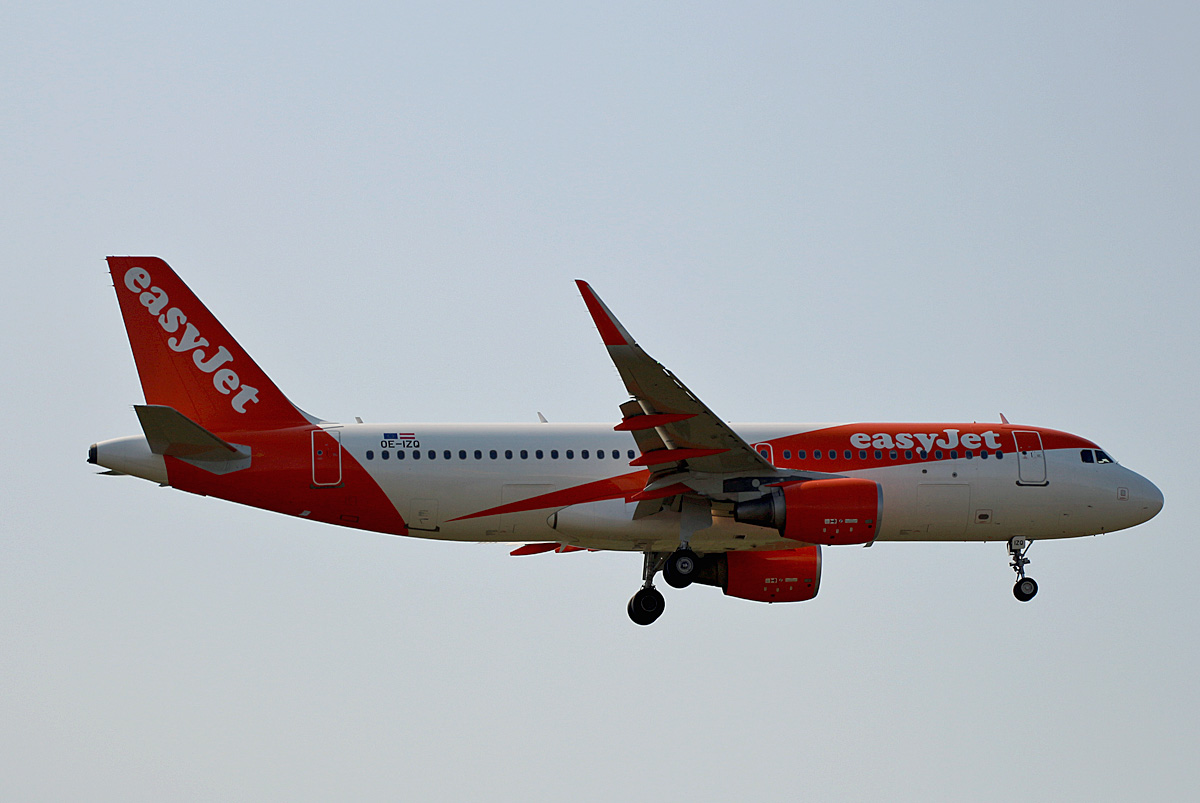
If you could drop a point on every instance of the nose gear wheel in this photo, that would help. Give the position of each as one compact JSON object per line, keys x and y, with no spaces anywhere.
{"x":1026,"y":587}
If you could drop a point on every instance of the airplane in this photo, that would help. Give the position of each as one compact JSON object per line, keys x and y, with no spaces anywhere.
{"x":745,"y":508}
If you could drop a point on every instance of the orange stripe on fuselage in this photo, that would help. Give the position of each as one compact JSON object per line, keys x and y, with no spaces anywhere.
{"x":620,"y":487}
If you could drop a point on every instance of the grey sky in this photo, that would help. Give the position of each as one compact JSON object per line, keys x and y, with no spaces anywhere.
{"x":867,"y":211}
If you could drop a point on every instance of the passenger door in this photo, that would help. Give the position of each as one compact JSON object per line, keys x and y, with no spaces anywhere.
{"x":1031,"y":459}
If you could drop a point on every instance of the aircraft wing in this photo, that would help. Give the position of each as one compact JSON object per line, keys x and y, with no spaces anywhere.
{"x":670,"y":424}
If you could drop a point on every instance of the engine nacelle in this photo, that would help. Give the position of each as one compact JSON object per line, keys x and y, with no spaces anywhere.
{"x":845,"y":510}
{"x":789,"y":575}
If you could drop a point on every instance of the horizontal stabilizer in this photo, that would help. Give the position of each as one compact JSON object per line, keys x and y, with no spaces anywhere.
{"x":172,"y":434}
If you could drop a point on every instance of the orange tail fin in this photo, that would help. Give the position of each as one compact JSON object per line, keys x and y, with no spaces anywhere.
{"x":187,"y":360}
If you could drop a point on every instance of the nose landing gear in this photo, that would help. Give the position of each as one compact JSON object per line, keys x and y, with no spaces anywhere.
{"x":1026,"y":587}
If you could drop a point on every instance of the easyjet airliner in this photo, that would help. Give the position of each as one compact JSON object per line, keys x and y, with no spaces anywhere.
{"x":746,"y":508}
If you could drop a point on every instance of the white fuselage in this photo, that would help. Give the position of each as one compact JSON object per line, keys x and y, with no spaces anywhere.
{"x":959,"y":499}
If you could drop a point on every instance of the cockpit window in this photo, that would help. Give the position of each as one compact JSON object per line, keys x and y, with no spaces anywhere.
{"x":1101,"y":457}
{"x":1086,"y":456}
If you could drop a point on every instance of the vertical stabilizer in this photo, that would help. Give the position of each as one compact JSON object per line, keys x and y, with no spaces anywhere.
{"x":185,"y":357}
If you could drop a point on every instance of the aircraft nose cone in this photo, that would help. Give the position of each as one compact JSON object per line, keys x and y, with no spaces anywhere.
{"x":1146,"y":498}
{"x":1154,"y":500}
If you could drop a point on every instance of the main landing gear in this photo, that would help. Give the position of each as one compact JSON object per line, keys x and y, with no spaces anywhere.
{"x":1026,"y":587}
{"x":680,"y":568}
{"x":647,"y":604}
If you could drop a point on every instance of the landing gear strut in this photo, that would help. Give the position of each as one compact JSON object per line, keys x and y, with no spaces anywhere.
{"x":1026,"y":587}
{"x":682,"y":565}
{"x":647,"y":604}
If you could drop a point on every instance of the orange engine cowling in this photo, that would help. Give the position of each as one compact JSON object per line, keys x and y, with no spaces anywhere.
{"x":788,"y":575}
{"x":844,"y":510}
{"x":792,"y":575}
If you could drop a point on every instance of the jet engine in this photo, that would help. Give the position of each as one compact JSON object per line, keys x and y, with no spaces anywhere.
{"x":789,"y":575}
{"x":844,"y":510}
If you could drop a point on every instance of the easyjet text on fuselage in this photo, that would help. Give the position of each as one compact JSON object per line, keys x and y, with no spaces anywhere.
{"x":946,"y":439}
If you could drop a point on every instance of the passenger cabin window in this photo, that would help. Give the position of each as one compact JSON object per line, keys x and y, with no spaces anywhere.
{"x":787,"y":454}
{"x":847,"y":454}
{"x":554,"y":454}
{"x":538,"y":454}
{"x":478,"y":455}
{"x":524,"y":454}
{"x":462,"y":454}
{"x":370,"y":455}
